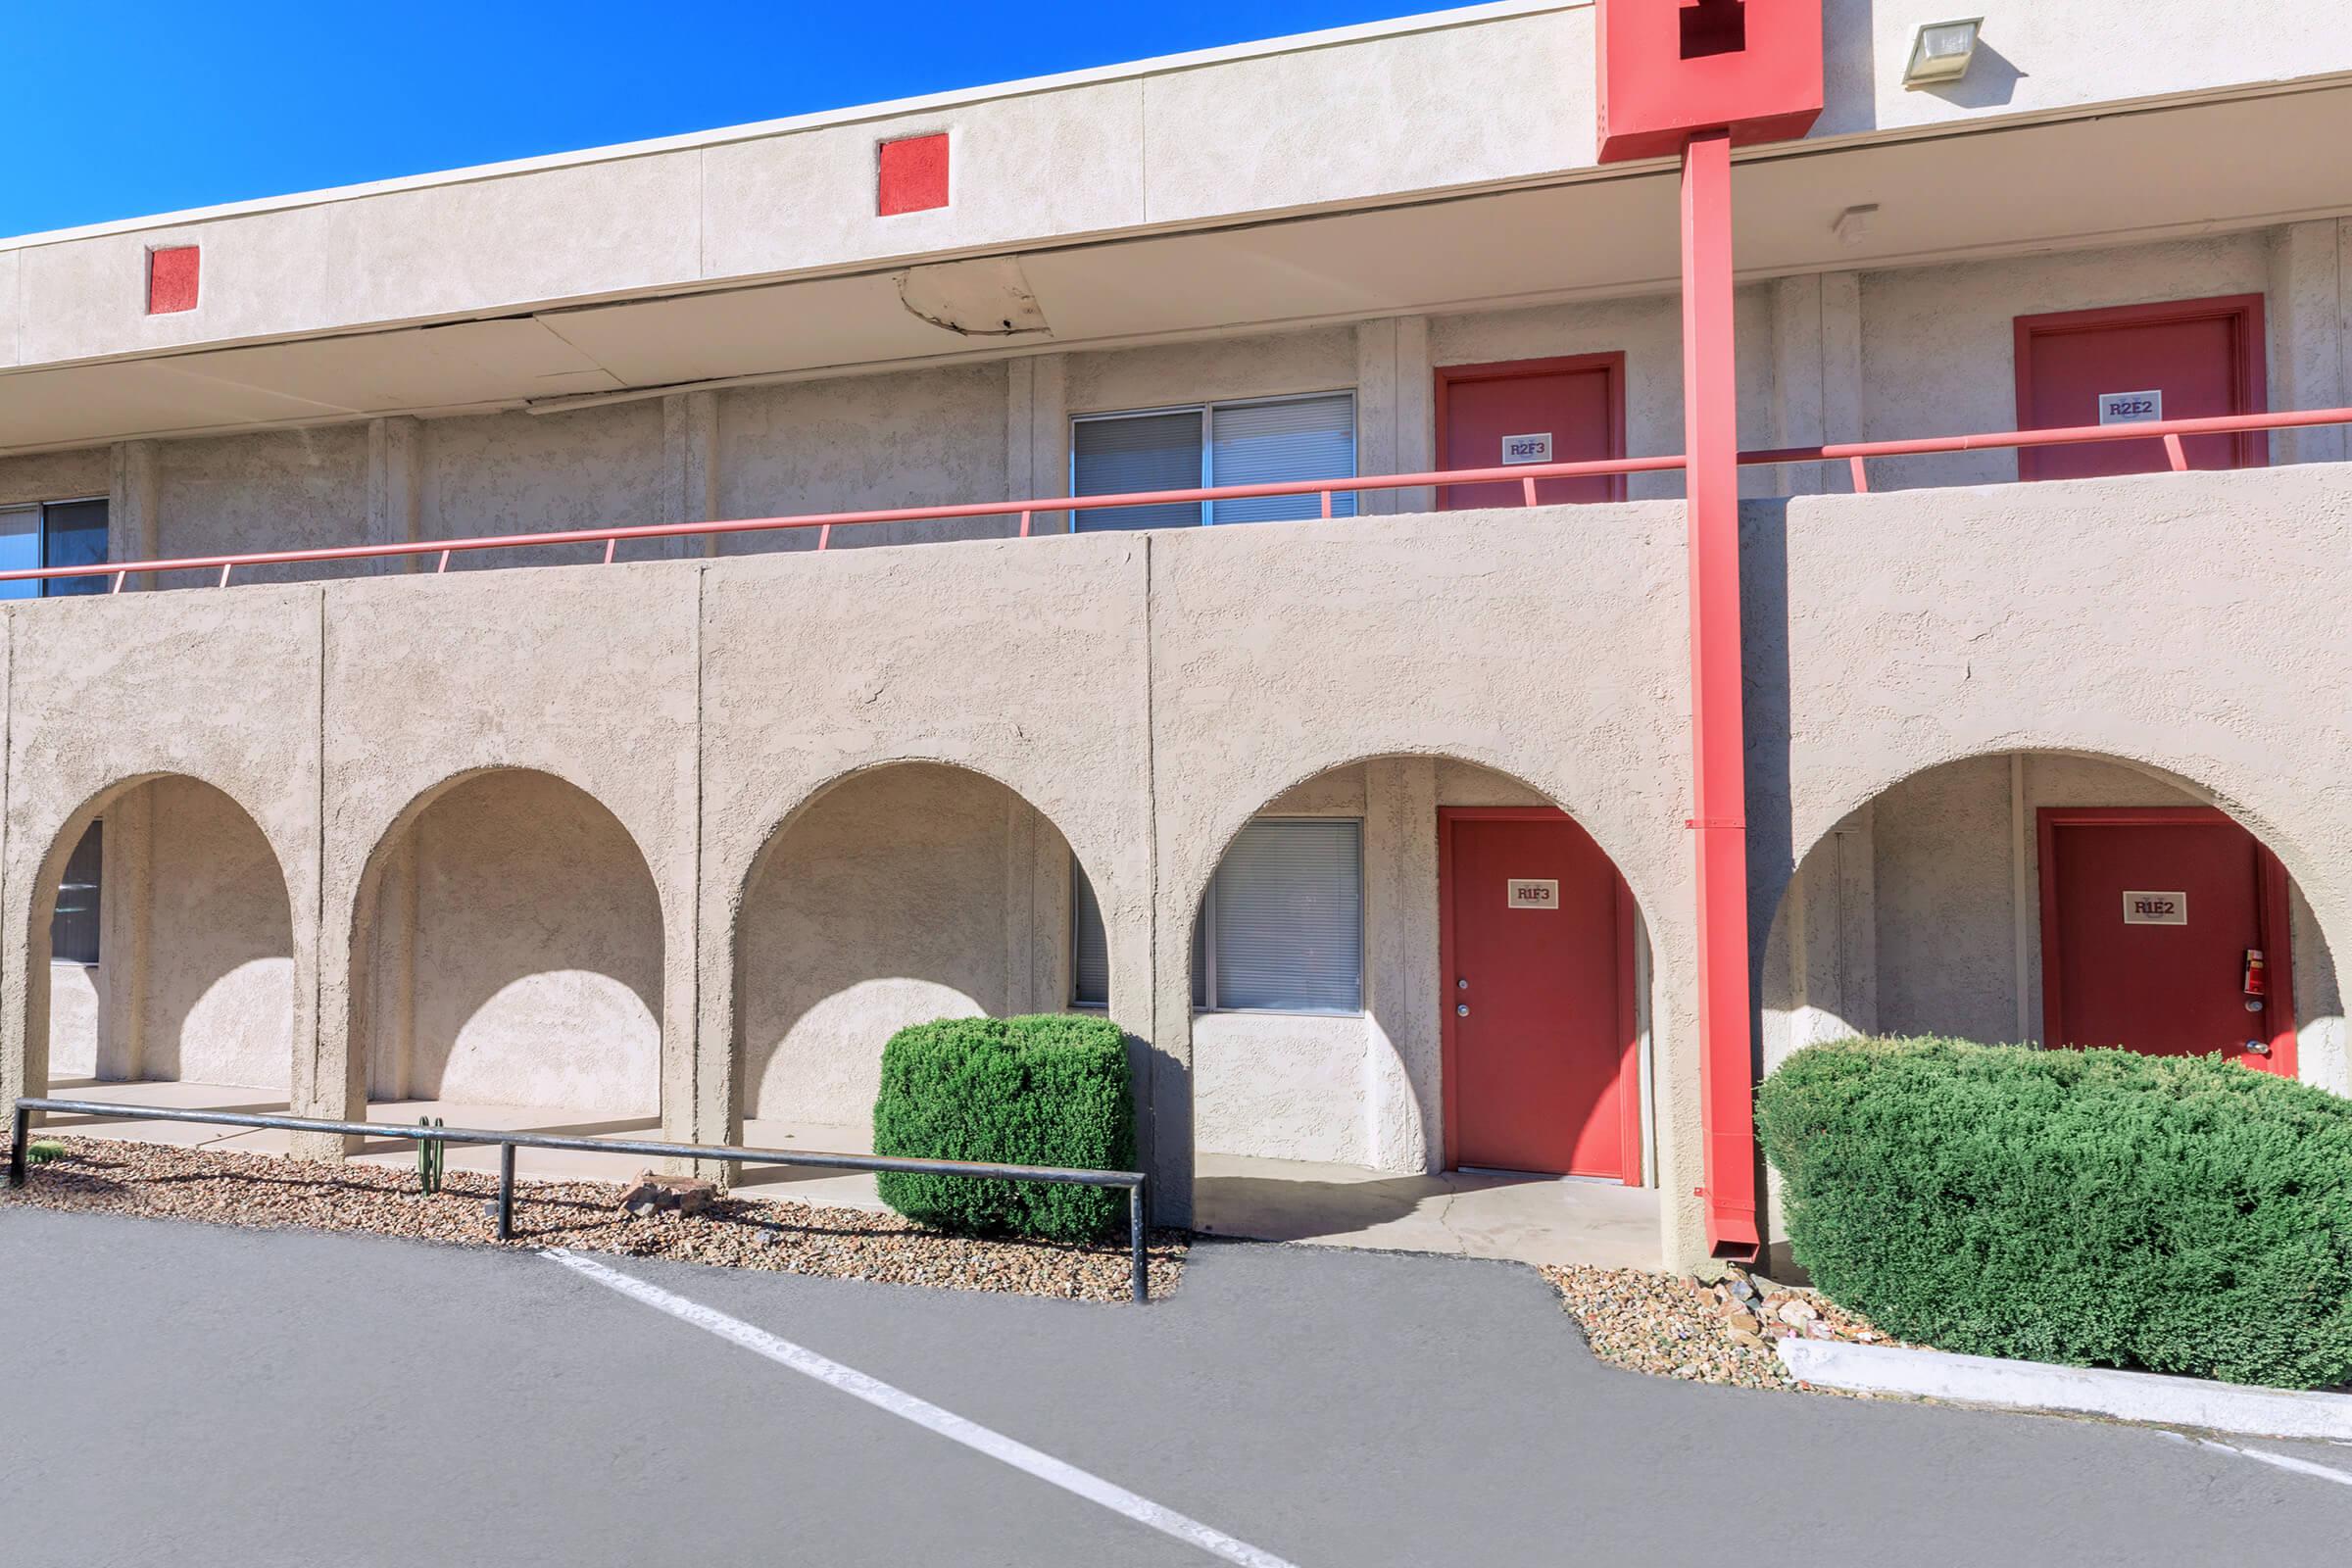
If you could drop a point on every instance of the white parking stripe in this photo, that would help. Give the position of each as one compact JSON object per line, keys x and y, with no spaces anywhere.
{"x":947,"y":1423}
{"x":2285,"y":1461}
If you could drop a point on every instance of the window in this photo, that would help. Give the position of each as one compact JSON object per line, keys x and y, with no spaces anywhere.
{"x":57,"y":534}
{"x":1281,"y":928}
{"x":1264,"y":441}
{"x":73,"y":929}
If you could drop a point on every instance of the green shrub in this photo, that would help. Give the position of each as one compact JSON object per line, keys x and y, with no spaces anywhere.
{"x":2094,"y":1207}
{"x":1049,"y":1089}
{"x":41,"y":1153}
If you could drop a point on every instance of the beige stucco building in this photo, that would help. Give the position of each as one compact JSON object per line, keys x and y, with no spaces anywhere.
{"x":678,"y":840}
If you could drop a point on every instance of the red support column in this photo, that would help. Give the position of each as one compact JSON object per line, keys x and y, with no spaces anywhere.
{"x":1719,"y":823}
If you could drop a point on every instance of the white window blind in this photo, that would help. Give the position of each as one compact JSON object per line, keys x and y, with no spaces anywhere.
{"x":1264,"y":441}
{"x":1090,"y":948}
{"x":1274,"y":443}
{"x":1281,"y":928}
{"x":1285,"y":914}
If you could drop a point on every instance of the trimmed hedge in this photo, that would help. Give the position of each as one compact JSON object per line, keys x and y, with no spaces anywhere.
{"x":1046,"y":1090}
{"x":2093,"y":1207}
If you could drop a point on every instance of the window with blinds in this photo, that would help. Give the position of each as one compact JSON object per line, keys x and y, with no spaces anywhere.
{"x":73,"y":928}
{"x":1263,"y":441}
{"x":1281,"y":928}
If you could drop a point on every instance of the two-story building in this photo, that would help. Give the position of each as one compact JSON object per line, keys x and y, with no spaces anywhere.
{"x":1365,"y":813}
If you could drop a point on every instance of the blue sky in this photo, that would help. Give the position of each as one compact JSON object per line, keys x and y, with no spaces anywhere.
{"x":119,"y":109}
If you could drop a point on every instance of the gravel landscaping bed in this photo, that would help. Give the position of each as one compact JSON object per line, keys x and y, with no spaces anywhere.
{"x":1678,"y":1325}
{"x":273,"y":1192}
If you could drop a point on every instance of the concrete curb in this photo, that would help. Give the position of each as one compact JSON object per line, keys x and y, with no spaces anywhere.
{"x":2148,"y":1397}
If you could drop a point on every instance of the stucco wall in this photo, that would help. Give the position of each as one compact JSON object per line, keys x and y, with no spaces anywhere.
{"x":899,"y":896}
{"x":219,"y":986}
{"x":273,"y":490}
{"x":925,"y":439}
{"x":1149,"y":693}
{"x":535,"y":956}
{"x":1649,"y":332}
{"x":1939,"y":352}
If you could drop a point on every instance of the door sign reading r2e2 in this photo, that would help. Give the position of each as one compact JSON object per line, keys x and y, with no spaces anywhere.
{"x":1526,"y":893}
{"x":1526,"y":448}
{"x":2131,"y":407}
{"x":2155,"y":908}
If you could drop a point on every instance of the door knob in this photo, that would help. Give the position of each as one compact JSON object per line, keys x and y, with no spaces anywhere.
{"x":2258,"y":1048}
{"x":1462,"y":1009}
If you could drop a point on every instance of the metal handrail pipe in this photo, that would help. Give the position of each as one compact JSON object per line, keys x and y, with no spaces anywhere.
{"x":1134,"y":1182}
{"x":1526,"y":475}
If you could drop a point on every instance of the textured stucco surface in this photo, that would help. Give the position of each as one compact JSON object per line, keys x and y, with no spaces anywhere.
{"x":218,"y":998}
{"x":897,"y":897}
{"x":1939,"y":342}
{"x":534,"y":951}
{"x":1147,"y":693}
{"x":1307,"y":124}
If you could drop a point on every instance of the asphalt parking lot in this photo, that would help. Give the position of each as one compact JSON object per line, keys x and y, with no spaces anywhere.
{"x":201,"y":1395}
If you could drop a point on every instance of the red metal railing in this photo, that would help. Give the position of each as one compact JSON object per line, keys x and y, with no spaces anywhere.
{"x":1526,"y":475}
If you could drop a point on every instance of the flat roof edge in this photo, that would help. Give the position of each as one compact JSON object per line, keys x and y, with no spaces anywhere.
{"x":689,"y":141}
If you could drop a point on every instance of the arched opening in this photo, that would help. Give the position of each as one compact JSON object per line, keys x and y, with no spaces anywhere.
{"x":164,"y":935}
{"x":897,"y":894}
{"x":1421,"y":1019}
{"x":2058,"y":898}
{"x":507,"y":966}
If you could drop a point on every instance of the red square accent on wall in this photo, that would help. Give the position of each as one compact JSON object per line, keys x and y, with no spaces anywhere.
{"x":172,"y":280}
{"x":913,"y":174}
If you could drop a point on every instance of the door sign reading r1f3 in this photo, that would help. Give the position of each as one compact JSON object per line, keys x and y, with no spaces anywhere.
{"x":2155,"y":908}
{"x":1527,"y":893}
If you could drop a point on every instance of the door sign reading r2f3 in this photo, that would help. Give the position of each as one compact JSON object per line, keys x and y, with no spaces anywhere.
{"x":1527,"y":893}
{"x":1526,"y":448}
{"x":2155,"y":908}
{"x":2131,"y":407}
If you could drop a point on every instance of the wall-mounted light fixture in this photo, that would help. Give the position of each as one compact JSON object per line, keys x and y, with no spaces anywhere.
{"x":1941,"y":52}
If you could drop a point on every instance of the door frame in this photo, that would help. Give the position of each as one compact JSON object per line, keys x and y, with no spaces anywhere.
{"x":1629,"y":1013}
{"x":2244,"y":313}
{"x":1611,"y":362}
{"x":2273,"y":917}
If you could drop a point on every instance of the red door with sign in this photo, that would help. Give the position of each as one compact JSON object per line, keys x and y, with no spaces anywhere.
{"x":2185,"y":360}
{"x":1536,"y":939}
{"x":2148,"y":919}
{"x":1517,"y":412}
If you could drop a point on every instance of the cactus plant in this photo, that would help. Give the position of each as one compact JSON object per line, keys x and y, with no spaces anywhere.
{"x":431,"y":1155}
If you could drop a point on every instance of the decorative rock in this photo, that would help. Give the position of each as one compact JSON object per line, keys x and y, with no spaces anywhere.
{"x":1741,"y":1288}
{"x":677,"y":1196}
{"x":1797,"y":1312}
{"x":1819,"y":1330}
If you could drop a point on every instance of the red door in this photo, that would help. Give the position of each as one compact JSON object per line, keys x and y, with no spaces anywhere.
{"x":2190,"y":360}
{"x":1537,"y":931}
{"x":2147,"y":919}
{"x":1532,"y":411}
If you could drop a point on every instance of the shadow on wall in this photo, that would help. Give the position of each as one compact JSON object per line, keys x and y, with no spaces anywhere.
{"x":907,"y":893}
{"x":195,"y":978}
{"x":516,"y":953}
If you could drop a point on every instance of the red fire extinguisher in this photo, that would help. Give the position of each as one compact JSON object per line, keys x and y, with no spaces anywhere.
{"x":2257,"y":986}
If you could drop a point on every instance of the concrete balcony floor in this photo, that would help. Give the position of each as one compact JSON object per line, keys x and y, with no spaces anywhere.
{"x":1521,"y":1218}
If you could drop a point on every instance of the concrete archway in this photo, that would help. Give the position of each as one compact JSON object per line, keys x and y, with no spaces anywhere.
{"x":894,"y":895}
{"x":507,"y":953}
{"x":1919,"y":912}
{"x":174,"y":959}
{"x":1326,"y":1120}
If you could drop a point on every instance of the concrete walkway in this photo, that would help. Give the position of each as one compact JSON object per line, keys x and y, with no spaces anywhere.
{"x":202,"y":1395}
{"x":1526,"y":1220}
